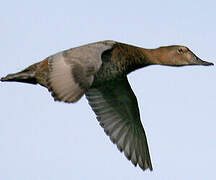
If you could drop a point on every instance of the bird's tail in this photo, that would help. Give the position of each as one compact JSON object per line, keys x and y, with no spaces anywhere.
{"x":34,"y":74}
{"x":25,"y":76}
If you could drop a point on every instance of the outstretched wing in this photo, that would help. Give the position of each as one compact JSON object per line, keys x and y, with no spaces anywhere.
{"x":72,"y":71}
{"x":116,"y":108}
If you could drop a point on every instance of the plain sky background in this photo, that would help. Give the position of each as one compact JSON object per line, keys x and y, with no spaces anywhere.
{"x":45,"y":140}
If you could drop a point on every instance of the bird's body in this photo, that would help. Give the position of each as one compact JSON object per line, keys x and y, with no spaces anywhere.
{"x":99,"y":70}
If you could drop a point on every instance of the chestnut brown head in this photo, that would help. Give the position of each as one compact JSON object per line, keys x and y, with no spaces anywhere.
{"x":179,"y":56}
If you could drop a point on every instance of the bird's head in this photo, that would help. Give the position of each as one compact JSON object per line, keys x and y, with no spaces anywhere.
{"x":178,"y":56}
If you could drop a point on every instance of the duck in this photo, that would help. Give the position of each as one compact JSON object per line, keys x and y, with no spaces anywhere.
{"x":99,"y":71}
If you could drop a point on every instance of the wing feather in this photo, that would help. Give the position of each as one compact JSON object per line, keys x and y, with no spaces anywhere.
{"x":117,"y":111}
{"x":72,"y":71}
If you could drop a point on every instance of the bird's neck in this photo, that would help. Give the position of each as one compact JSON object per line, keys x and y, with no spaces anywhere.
{"x":154,"y":56}
{"x":131,"y":58}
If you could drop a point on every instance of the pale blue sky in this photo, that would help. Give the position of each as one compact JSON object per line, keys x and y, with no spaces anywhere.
{"x":44,"y":140}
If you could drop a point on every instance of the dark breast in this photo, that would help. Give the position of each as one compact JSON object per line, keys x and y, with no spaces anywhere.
{"x":109,"y":70}
{"x":126,"y":58}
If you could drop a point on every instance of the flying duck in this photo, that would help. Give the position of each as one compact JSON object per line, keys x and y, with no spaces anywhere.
{"x":99,"y":70}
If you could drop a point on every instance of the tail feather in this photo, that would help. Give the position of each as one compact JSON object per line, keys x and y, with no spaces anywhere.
{"x":26,"y":76}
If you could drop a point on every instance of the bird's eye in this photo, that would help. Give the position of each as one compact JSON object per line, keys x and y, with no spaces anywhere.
{"x":180,"y":50}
